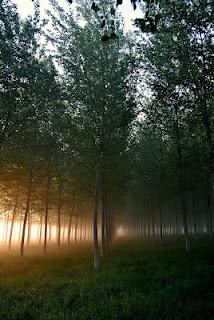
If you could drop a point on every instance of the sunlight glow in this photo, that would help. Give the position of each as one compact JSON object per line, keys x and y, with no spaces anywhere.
{"x":120,"y":231}
{"x":33,"y":236}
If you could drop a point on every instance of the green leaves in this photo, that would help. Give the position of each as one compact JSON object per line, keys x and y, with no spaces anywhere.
{"x":103,"y":23}
{"x":106,"y":15}
{"x":105,"y":38}
{"x":113,"y":35}
{"x":95,"y":7}
{"x":173,"y":66}
{"x":133,"y":2}
{"x":149,"y":24}
{"x":141,"y":23}
{"x":119,"y":2}
{"x":95,"y":83}
{"x":112,"y":11}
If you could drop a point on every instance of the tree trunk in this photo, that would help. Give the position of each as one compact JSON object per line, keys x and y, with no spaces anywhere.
{"x":6,"y":228}
{"x":161,"y":222}
{"x":209,"y":143}
{"x":81,"y":223}
{"x":20,"y":229}
{"x":209,"y":213}
{"x":26,"y":212}
{"x":148,"y":220}
{"x":194,"y":211}
{"x":181,"y":181}
{"x":85,"y":227}
{"x":46,"y":211}
{"x":40,"y":229}
{"x":104,"y":224}
{"x":76,"y":223}
{"x":59,"y":213}
{"x":95,"y":221}
{"x":70,"y":221}
{"x":49,"y":235}
{"x":153,"y":220}
{"x":12,"y":224}
{"x":29,"y":229}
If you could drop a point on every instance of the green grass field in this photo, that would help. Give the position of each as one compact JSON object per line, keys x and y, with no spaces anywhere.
{"x":138,"y":280}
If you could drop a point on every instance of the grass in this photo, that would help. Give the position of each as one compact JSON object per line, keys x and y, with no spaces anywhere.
{"x":138,"y":280}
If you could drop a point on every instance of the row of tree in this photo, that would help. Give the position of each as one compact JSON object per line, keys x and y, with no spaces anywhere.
{"x":63,"y":135}
{"x":174,"y":150}
{"x":122,"y":128}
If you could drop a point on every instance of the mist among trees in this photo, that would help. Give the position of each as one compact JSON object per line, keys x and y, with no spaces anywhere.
{"x":107,"y":135}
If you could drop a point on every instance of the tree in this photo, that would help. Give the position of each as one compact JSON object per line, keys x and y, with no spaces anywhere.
{"x":94,"y":77}
{"x":174,"y":68}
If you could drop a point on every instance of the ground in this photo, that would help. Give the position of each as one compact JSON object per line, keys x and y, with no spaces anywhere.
{"x":138,"y":280}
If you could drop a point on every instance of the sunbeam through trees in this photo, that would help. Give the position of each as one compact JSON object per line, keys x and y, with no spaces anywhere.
{"x":106,"y":160}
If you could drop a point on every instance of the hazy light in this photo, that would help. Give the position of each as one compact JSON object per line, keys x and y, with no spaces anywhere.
{"x":26,"y":8}
{"x":35,"y":231}
{"x":120,"y":231}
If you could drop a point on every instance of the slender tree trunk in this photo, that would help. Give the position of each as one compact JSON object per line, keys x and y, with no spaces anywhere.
{"x":26,"y":212}
{"x":40,"y":229}
{"x":209,"y":214}
{"x":153,"y":221}
{"x":144,"y":223}
{"x":210,"y":145}
{"x":29,"y":229}
{"x":59,"y":213}
{"x":46,"y":211}
{"x":176,"y":223}
{"x":76,"y":223}
{"x":81,"y":223}
{"x":95,"y":221}
{"x":181,"y":181}
{"x":6,"y":228}
{"x":70,"y":221}
{"x":194,"y":216}
{"x":20,"y":229}
{"x":148,"y":220}
{"x":12,"y":225}
{"x":104,"y":223}
{"x":170,"y":223}
{"x":85,"y":227}
{"x":110,"y":226}
{"x":64,"y":227}
{"x":49,"y":235}
{"x":161,"y":222}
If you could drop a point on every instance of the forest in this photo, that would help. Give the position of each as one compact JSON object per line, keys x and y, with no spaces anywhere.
{"x":107,"y":160}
